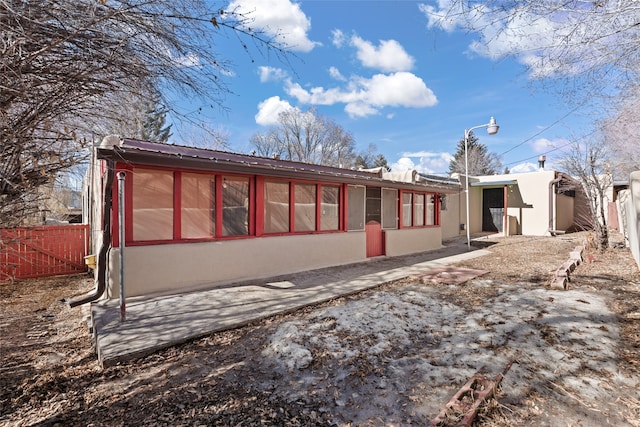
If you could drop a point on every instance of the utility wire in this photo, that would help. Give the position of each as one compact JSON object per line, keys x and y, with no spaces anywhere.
{"x":541,"y":131}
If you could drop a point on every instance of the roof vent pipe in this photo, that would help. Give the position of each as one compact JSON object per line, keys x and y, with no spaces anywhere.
{"x":541,"y":161}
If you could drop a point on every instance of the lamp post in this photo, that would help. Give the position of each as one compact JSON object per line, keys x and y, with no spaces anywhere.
{"x":492,"y":129}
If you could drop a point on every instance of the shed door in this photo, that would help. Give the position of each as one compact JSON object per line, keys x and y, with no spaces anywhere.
{"x":375,"y":239}
{"x":492,"y":209}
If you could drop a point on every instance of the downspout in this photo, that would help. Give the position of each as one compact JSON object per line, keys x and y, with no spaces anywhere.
{"x":106,"y":240}
{"x":551,"y":230}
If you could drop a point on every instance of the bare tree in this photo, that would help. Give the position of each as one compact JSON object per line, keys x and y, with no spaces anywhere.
{"x":622,"y":135}
{"x":588,"y":162}
{"x":68,"y":65}
{"x":305,"y":136}
{"x":593,"y":45}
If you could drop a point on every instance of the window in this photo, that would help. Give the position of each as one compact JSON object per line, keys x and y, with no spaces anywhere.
{"x":355,"y":203}
{"x":186,"y":205}
{"x":431,"y":209}
{"x":305,"y":207}
{"x":407,"y":207}
{"x":152,"y":205}
{"x":418,"y":210}
{"x":389,"y":208}
{"x":197,"y":205}
{"x":330,"y":208}
{"x":374,"y":205}
{"x":276,"y":207}
{"x":235,"y":206}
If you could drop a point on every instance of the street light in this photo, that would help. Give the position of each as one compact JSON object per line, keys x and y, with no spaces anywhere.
{"x":492,"y":129}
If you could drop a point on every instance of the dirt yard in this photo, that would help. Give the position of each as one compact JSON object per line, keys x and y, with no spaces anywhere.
{"x":391,"y":356}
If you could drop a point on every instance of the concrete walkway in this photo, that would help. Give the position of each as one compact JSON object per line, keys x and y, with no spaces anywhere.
{"x":155,"y":323}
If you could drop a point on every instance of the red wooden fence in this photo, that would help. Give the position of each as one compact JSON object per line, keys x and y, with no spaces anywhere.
{"x":48,"y":250}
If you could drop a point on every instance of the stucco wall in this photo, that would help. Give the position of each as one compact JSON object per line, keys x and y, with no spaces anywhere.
{"x":411,"y":240}
{"x":176,"y":268}
{"x":528,"y":202}
{"x":453,"y":216}
{"x":633,"y":215}
{"x":564,"y":212}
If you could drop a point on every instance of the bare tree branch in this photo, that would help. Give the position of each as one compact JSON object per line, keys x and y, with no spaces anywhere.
{"x":71,"y":67}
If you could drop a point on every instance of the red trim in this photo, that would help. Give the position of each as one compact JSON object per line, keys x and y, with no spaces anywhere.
{"x":115,"y":234}
{"x":344,"y":217}
{"x":128,"y":184}
{"x":177,"y":205}
{"x":128,"y":201}
{"x":252,"y":206}
{"x":319,"y":207}
{"x":256,"y":206}
{"x":292,"y":206}
{"x":219,"y":209}
{"x":259,"y":206}
{"x":436,"y":208}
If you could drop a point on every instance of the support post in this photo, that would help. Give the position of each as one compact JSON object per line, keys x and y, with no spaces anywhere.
{"x":121,"y":233}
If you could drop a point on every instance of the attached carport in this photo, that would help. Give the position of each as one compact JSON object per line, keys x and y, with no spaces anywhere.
{"x":495,"y":205}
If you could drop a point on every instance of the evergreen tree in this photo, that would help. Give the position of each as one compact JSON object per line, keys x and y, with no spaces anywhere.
{"x":153,"y":124}
{"x":369,"y":159}
{"x":481,"y":161}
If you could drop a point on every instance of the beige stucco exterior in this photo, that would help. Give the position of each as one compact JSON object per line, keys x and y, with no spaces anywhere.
{"x":411,"y":240}
{"x":528,"y":199}
{"x":452,"y":216}
{"x":176,"y":268}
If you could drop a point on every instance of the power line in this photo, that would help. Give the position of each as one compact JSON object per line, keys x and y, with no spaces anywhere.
{"x":541,"y":131}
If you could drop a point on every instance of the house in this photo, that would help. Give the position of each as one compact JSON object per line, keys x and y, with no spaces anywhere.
{"x":538,"y":203}
{"x":197,"y":218}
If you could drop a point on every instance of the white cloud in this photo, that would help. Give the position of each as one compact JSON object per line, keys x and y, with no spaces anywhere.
{"x":270,"y":109}
{"x":388,"y":56}
{"x":364,"y":97}
{"x":338,"y":38}
{"x":188,"y":60}
{"x":543,"y":145}
{"x":427,"y":162}
{"x":336,"y":74}
{"x":268,"y":74}
{"x":524,"y":167}
{"x":532,"y":39}
{"x":403,"y":164}
{"x":439,"y":16}
{"x":281,"y":19}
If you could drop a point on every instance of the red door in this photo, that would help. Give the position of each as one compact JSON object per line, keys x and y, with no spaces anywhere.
{"x":375,"y":239}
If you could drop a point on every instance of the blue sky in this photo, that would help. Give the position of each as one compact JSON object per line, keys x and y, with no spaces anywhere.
{"x":388,"y":75}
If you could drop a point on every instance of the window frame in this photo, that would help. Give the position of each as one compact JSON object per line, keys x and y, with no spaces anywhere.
{"x":255,"y":209}
{"x":218,"y":178}
{"x":319,"y":185}
{"x":425,"y":221}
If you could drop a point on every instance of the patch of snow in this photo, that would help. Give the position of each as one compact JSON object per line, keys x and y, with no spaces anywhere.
{"x":412,"y":346}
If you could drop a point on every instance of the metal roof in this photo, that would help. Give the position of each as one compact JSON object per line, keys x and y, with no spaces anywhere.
{"x":179,"y":156}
